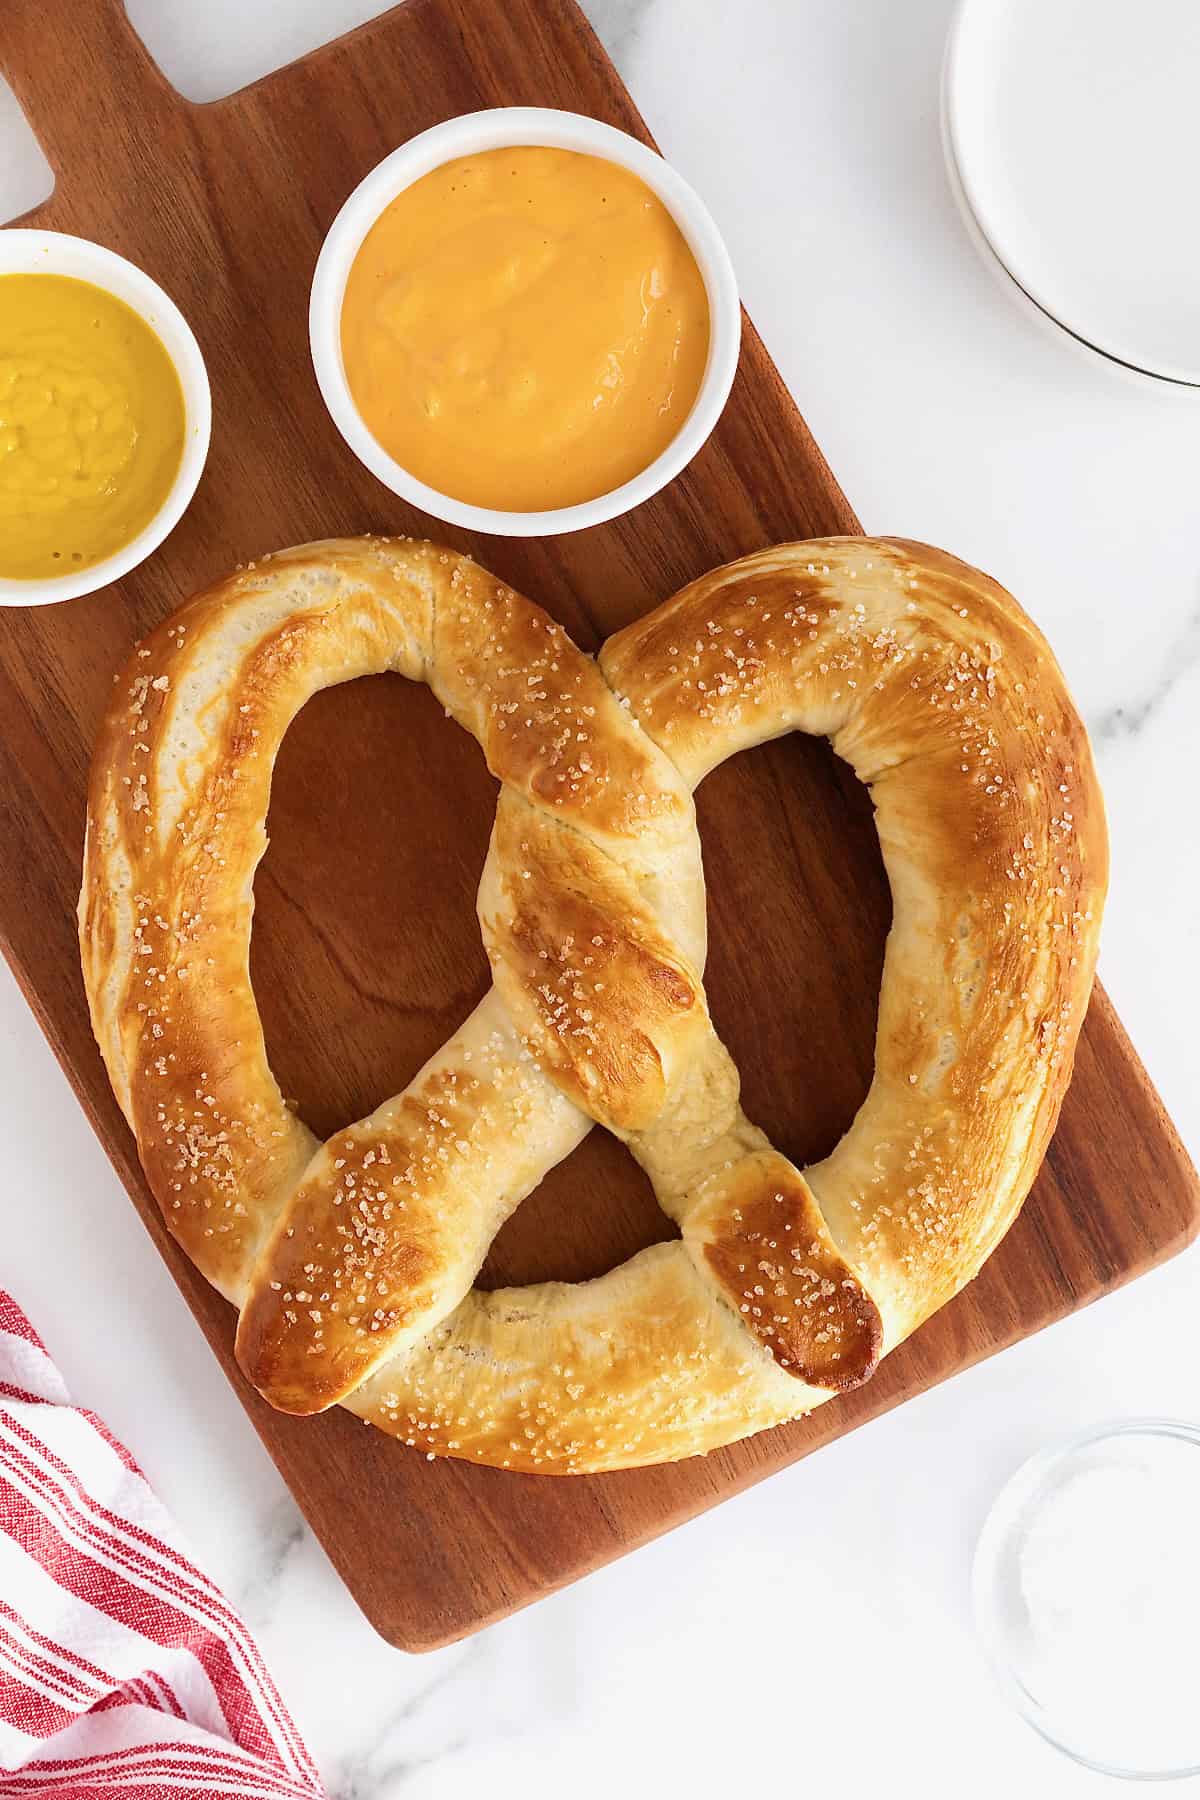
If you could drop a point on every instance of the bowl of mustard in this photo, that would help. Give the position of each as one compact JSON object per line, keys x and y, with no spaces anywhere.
{"x":105,"y":416}
{"x":524,"y":322}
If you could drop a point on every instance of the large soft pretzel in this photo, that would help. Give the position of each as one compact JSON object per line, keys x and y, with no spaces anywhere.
{"x":353,"y":1261}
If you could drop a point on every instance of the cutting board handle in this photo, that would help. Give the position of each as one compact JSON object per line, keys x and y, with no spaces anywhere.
{"x":84,"y":80}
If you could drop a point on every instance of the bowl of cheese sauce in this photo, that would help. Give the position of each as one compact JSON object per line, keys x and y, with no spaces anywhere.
{"x":104,"y":416}
{"x":524,"y":322}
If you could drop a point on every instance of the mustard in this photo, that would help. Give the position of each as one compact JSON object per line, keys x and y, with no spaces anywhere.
{"x":525,"y":329}
{"x":92,"y":422}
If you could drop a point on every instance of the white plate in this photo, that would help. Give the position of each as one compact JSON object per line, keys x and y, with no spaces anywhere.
{"x":1073,"y":128}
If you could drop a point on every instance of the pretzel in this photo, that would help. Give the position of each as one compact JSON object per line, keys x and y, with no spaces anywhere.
{"x":352,"y":1262}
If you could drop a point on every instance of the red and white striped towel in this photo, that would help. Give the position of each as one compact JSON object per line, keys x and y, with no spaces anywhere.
{"x":123,"y":1671}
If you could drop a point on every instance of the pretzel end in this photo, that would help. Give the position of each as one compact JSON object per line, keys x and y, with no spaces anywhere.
{"x":763,"y":1239}
{"x":269,"y":1363}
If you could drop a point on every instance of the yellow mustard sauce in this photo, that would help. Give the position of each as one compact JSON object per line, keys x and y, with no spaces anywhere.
{"x":525,"y":329}
{"x":92,"y":421}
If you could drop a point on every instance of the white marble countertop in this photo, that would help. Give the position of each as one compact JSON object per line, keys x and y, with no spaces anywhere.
{"x":814,"y":1634}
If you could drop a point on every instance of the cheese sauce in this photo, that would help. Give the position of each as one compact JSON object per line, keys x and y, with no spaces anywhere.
{"x":525,"y":329}
{"x":91,"y":425}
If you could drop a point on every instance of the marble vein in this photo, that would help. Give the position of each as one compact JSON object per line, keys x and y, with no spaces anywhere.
{"x":393,"y":1756}
{"x":281,"y":1539}
{"x":619,"y":25}
{"x":1179,"y":658}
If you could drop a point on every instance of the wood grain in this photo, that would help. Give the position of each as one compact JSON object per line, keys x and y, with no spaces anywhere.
{"x":366,"y":949}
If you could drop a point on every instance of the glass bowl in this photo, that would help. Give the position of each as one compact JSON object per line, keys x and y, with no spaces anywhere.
{"x":1086,"y":1596}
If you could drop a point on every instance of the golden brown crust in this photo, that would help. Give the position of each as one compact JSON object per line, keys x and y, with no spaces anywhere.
{"x":387,"y":1229}
{"x":765,"y":1241}
{"x":647,"y":1364}
{"x":947,"y":702}
{"x":548,"y":722}
{"x":606,"y":1003}
{"x":353,"y":1262}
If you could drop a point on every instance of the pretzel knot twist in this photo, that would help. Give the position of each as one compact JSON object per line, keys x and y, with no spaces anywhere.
{"x":352,"y":1261}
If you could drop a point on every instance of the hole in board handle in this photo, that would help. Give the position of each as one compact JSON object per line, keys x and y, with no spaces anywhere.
{"x":26,"y":178}
{"x":204,"y":64}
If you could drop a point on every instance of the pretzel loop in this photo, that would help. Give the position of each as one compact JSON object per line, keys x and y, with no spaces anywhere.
{"x":352,"y":1262}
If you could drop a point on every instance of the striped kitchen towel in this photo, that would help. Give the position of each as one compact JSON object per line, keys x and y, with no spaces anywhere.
{"x":123,"y":1671}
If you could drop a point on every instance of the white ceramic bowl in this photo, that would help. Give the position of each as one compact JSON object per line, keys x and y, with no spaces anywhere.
{"x":468,"y":136}
{"x":26,"y":252}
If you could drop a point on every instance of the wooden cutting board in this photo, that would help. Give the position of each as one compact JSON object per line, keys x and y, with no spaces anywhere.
{"x":366,"y":950}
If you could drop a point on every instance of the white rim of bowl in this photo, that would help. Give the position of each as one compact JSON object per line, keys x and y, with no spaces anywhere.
{"x":24,"y":250}
{"x":497,"y":129}
{"x":1022,"y":1489}
{"x":991,"y":246}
